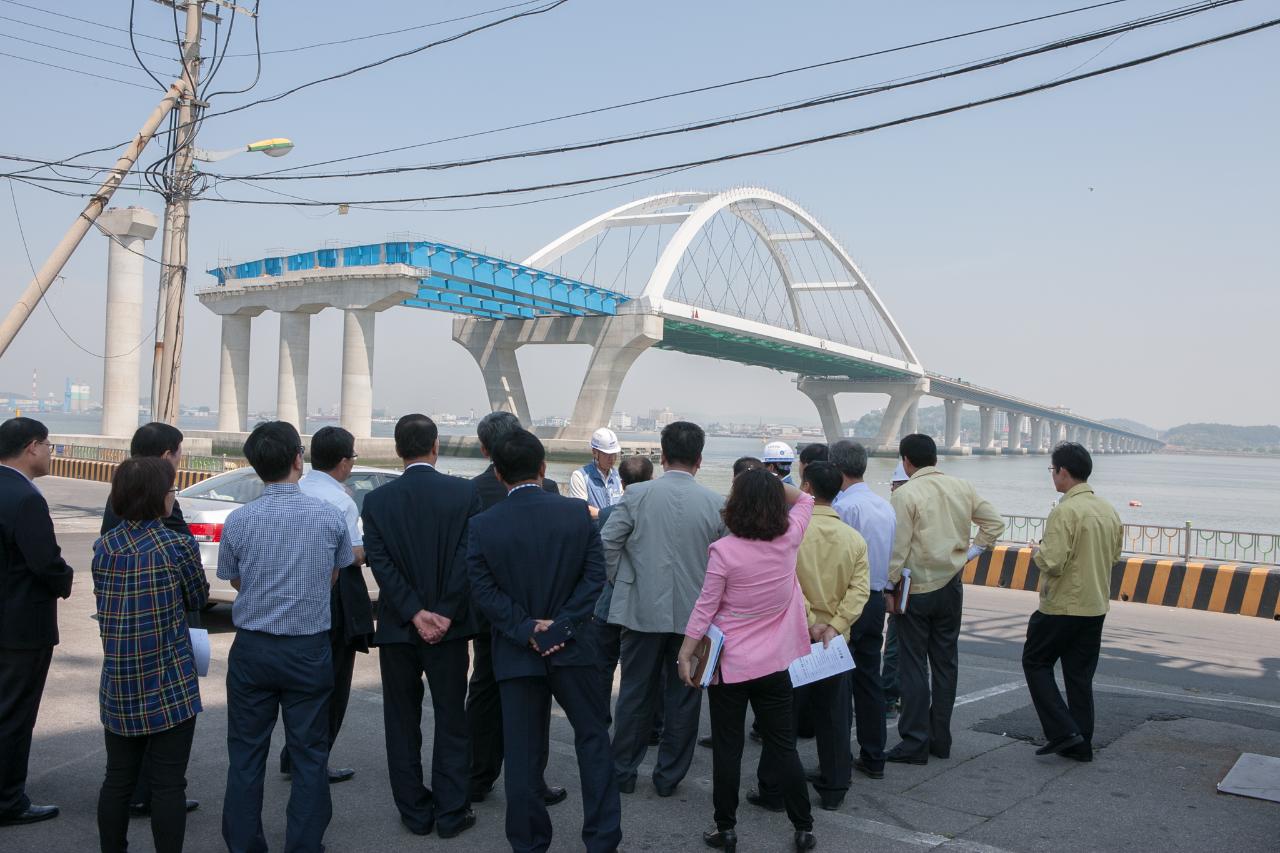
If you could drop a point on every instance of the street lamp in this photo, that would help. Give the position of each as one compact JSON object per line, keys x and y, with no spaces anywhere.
{"x":277,"y":147}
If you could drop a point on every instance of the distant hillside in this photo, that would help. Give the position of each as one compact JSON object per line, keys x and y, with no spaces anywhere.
{"x":1133,"y":426}
{"x":1239,"y":439}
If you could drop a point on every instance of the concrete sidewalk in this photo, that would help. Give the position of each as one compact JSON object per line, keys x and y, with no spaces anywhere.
{"x":1181,"y":695}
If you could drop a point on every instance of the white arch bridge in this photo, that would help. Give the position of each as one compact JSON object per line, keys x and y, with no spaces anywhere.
{"x":744,"y":275}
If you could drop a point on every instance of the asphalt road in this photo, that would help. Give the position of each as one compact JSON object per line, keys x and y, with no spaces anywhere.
{"x":1180,"y":695}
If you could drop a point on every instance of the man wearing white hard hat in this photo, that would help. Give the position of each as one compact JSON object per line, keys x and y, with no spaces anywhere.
{"x":598,"y":482}
{"x":778,"y":457}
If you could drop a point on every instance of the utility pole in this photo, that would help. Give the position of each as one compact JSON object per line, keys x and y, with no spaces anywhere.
{"x":177,"y":213}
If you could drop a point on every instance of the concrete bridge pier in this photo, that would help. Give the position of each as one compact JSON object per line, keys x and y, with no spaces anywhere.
{"x":295,"y":368}
{"x":910,"y":419}
{"x":493,"y":345}
{"x":902,"y":396}
{"x":824,"y":399}
{"x":1015,"y":447}
{"x":986,"y":431}
{"x":233,"y":375}
{"x":953,"y":409}
{"x":1057,"y":434}
{"x":356,"y":402}
{"x":127,"y":229}
{"x":1038,"y":429}
{"x":618,"y":343}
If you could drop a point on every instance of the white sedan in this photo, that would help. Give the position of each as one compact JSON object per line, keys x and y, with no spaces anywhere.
{"x":207,"y":504}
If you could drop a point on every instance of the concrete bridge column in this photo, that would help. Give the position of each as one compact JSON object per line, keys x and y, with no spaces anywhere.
{"x":357,"y":371}
{"x":987,"y":431}
{"x":621,"y":340}
{"x":233,"y":377}
{"x":951,"y":436}
{"x":1089,"y":440}
{"x":1015,"y":447}
{"x":824,"y":400}
{"x":127,"y":228}
{"x":902,"y":395}
{"x":1037,"y":427}
{"x":910,"y":419}
{"x":1057,"y":434}
{"x":493,"y":345}
{"x":295,"y":361}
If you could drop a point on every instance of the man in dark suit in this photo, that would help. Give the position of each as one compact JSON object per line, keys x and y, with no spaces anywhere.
{"x":161,"y":441}
{"x":535,"y":561}
{"x":33,"y":576}
{"x":415,"y":539}
{"x":484,"y":703}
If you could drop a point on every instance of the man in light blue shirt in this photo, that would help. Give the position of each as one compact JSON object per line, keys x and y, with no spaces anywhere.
{"x":873,"y":517}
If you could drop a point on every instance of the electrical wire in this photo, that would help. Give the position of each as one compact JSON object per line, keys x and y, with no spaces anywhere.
{"x":708,"y":88}
{"x":802,"y":143}
{"x":80,"y":20}
{"x":69,"y":50}
{"x":823,"y":100}
{"x":257,"y":45}
{"x":76,"y":36}
{"x":79,"y":71}
{"x":134,"y":47}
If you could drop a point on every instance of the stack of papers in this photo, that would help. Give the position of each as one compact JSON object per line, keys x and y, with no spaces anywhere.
{"x":716,"y":638}
{"x":821,"y":662}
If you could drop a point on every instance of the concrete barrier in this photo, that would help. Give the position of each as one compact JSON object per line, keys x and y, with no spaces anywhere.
{"x":1216,"y":587}
{"x":102,"y":472}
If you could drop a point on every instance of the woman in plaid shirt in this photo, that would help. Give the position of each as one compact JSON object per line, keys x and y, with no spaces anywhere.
{"x":145,"y":578}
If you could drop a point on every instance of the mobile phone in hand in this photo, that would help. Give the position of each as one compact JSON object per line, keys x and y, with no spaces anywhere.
{"x":559,"y":632}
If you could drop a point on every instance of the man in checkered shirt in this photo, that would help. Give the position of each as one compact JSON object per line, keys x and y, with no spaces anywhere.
{"x":282,"y":553}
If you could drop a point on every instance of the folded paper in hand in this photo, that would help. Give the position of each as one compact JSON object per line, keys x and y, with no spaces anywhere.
{"x":706,"y":656}
{"x":895,"y":597}
{"x":821,"y":662}
{"x":200,"y":650}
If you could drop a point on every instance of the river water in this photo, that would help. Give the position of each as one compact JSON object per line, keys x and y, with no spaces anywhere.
{"x":1216,"y":492}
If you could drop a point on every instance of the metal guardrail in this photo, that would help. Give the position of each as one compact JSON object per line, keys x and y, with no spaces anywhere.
{"x":1156,"y":540}
{"x":188,"y":462}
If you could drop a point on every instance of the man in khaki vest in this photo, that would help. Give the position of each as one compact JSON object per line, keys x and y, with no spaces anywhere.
{"x":1082,"y":541}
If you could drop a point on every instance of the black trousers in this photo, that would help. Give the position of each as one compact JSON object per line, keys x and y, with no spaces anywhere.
{"x":22,"y":676}
{"x":525,"y":724}
{"x":269,"y":676}
{"x":344,"y":668}
{"x":649,"y":679}
{"x":163,"y":757}
{"x":889,"y":666}
{"x":865,"y":639}
{"x":928,"y":665}
{"x":1076,"y":641}
{"x":445,"y":666}
{"x":770,"y":699}
{"x":484,"y":719}
{"x":828,"y":706}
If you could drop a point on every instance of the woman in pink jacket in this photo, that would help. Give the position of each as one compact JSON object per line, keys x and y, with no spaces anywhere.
{"x":752,"y":595}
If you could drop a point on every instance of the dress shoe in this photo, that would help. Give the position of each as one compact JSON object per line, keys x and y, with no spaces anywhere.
{"x":757,"y":799}
{"x":664,"y":791}
{"x":867,"y":770}
{"x":937,"y":752}
{"x":805,"y":841}
{"x":342,"y":774}
{"x":831,"y":801}
{"x":32,"y":814}
{"x":723,"y":839}
{"x":1082,"y":753}
{"x":553,"y":794}
{"x":627,"y":786}
{"x":705,"y":740}
{"x":144,"y":809}
{"x":899,"y":757}
{"x":1058,"y":745}
{"x":419,"y":830}
{"x":468,"y":821}
{"x":478,"y":793}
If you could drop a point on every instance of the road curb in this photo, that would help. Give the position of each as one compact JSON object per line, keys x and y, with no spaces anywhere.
{"x":102,"y":472}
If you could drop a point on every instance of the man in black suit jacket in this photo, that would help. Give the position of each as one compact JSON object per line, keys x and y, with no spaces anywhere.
{"x":415,"y":540}
{"x":33,"y":576}
{"x":535,"y":560}
{"x":484,"y":702}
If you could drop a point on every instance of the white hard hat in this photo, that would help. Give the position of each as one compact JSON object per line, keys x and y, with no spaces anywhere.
{"x":899,"y":474}
{"x":605,"y":440}
{"x":778,"y":452}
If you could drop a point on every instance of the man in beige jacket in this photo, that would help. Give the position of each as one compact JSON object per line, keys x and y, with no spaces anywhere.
{"x":1083,"y":538}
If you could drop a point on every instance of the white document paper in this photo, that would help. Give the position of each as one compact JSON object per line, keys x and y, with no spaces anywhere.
{"x":200,"y":649}
{"x":716,"y":636}
{"x":821,"y":663}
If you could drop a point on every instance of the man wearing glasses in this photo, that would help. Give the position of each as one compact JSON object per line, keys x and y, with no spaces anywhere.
{"x":282,"y":553}
{"x":333,"y":455}
{"x":33,"y":576}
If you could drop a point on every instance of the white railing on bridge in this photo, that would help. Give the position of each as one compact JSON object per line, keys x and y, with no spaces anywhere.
{"x":1185,"y":542}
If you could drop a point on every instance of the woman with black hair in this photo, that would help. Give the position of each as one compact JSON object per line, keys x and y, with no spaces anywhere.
{"x":751,"y":594}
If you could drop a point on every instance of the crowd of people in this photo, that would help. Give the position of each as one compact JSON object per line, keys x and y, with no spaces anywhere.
{"x":502,"y":595}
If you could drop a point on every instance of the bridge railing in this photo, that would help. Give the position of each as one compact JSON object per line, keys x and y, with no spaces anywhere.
{"x":1186,"y":542}
{"x":188,"y":462}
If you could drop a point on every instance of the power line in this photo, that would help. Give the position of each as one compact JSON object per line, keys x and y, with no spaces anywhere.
{"x":78,"y":71}
{"x":702,"y":89}
{"x":76,"y":36}
{"x":801,"y":143}
{"x":70,"y":51}
{"x":80,"y":20}
{"x":824,"y":100}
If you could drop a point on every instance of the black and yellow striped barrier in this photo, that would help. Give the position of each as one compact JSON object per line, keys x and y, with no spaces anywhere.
{"x":1216,"y":587}
{"x":102,"y":472}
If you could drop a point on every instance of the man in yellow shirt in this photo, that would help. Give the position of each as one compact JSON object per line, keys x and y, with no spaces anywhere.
{"x":836,"y":580}
{"x":1083,"y":538}
{"x":934,"y":513}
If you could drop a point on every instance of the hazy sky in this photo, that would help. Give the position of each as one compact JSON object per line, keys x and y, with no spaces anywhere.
{"x":1102,"y":246}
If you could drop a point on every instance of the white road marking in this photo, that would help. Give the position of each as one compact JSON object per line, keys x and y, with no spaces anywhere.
{"x":979,"y":695}
{"x":901,"y":834}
